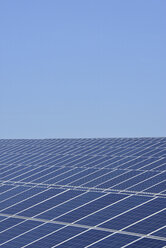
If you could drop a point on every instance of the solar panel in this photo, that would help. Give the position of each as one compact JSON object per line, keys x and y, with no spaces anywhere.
{"x":83,"y":192}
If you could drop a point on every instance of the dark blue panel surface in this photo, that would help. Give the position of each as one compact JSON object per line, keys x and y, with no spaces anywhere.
{"x":41,"y":173}
{"x":115,"y":240}
{"x":115,"y":209}
{"x":104,"y":178}
{"x":161,"y":232}
{"x":148,"y":183}
{"x":70,"y":205}
{"x":155,"y":165}
{"x":57,"y":179}
{"x":30,"y":173}
{"x":32,"y":201}
{"x":12,"y":192}
{"x":41,"y":207}
{"x":157,"y":188}
{"x":90,"y":207}
{"x":9,"y":222}
{"x":22,"y":196}
{"x":145,"y":242}
{"x":17,"y":230}
{"x":84,"y":180}
{"x":85,"y":239}
{"x":136,"y":214}
{"x":119,"y":179}
{"x":150,"y":224}
{"x":77,"y":176}
{"x":23,"y":170}
{"x":5,"y":188}
{"x":56,"y":171}
{"x":2,"y":218}
{"x":135,"y":180}
{"x":31,"y":236}
{"x":57,"y":237}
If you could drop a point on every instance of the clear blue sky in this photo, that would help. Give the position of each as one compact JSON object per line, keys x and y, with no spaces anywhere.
{"x":82,"y":68}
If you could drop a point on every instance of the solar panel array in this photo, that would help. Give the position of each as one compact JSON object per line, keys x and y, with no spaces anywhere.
{"x":83,"y":193}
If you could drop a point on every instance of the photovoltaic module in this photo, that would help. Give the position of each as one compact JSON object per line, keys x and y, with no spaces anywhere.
{"x":83,"y":193}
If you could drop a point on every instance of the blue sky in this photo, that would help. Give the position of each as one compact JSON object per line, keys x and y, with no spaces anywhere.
{"x":87,"y":68}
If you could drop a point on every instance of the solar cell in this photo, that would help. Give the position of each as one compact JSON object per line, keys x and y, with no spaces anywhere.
{"x":85,"y":239}
{"x":115,"y":240}
{"x":31,"y":235}
{"x":145,"y":242}
{"x":161,"y":232}
{"x":83,"y":192}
